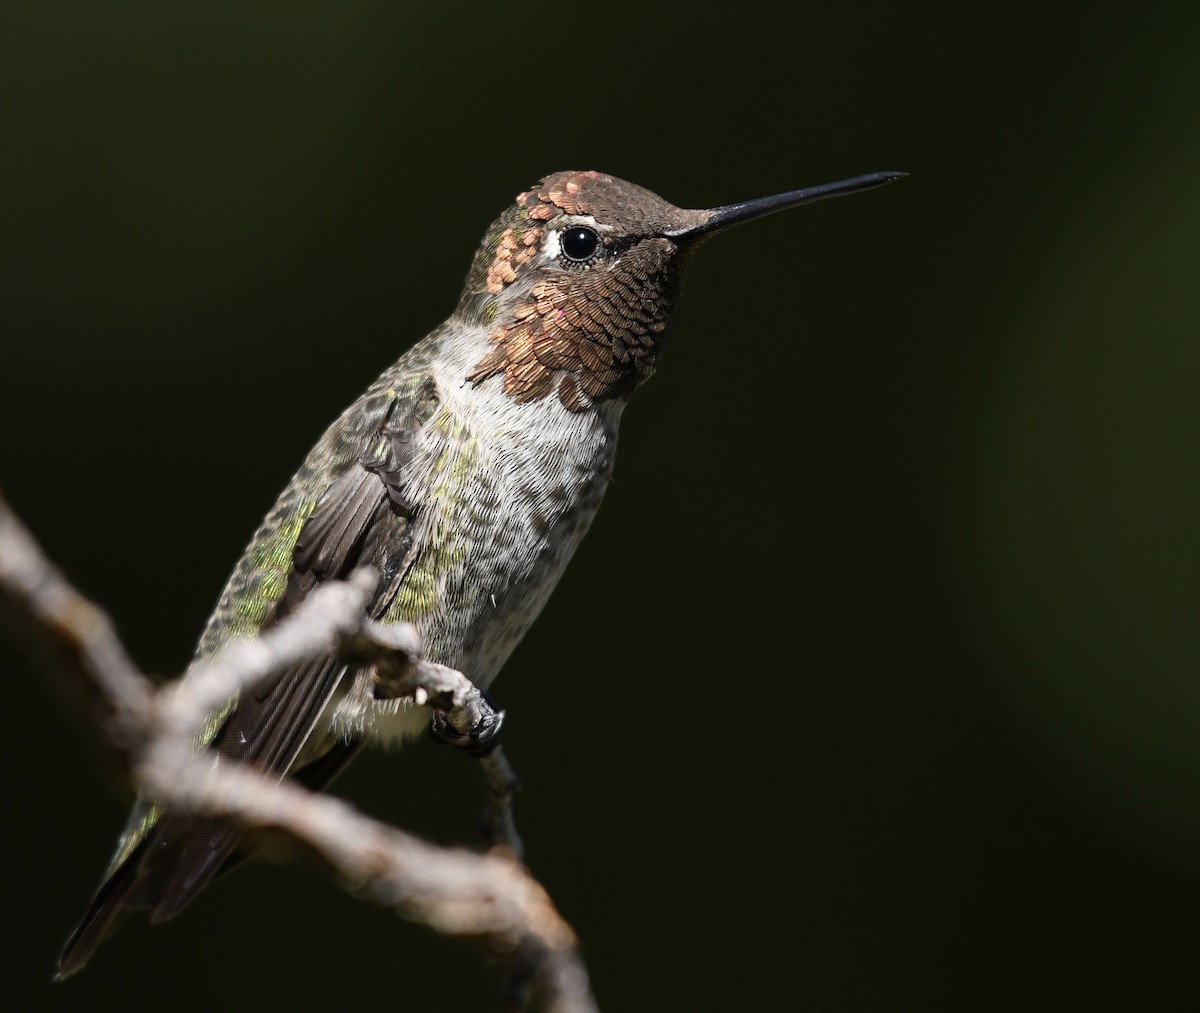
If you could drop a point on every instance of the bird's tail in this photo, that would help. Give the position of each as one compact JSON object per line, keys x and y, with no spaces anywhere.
{"x":102,"y":916}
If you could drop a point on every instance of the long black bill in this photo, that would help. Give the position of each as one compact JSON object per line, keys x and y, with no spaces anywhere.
{"x":726,"y":217}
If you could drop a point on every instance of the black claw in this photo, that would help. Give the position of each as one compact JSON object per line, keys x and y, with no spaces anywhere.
{"x":478,"y":740}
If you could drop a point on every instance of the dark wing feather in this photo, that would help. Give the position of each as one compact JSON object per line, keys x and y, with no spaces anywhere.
{"x":270,"y":727}
{"x":355,"y":522}
{"x":363,"y":517}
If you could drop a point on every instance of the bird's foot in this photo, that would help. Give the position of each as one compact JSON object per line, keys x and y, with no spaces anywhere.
{"x":476,"y":730}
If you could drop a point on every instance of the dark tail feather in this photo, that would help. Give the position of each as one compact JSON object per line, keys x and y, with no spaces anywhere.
{"x":211,"y":848}
{"x":150,"y":878}
{"x":101,"y":918}
{"x":166,"y":879}
{"x":207,"y":851}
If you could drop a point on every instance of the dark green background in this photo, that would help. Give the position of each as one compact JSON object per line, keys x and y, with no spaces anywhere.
{"x":875,"y":685}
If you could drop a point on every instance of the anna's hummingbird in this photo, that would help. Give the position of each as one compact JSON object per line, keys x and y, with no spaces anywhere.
{"x":466,"y":475}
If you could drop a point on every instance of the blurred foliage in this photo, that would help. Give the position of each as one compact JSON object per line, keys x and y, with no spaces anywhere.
{"x":907,"y":517}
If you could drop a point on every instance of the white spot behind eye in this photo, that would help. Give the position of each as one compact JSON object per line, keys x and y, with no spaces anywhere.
{"x":552,"y":248}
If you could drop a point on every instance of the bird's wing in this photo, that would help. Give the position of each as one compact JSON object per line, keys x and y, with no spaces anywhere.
{"x":364,"y":516}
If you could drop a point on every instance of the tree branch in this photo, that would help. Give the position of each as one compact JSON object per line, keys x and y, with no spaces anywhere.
{"x":488,"y":897}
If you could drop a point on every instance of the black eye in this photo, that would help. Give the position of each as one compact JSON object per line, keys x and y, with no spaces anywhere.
{"x":579,"y":243}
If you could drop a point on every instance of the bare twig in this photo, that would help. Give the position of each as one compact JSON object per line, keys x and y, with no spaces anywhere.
{"x":456,"y":892}
{"x":332,"y":613}
{"x":41,"y":605}
{"x":502,"y":782}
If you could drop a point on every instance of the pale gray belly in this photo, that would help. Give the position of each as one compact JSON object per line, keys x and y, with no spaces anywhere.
{"x":493,"y":629}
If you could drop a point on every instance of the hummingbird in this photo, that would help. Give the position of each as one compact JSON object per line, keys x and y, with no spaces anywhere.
{"x":465,"y":475}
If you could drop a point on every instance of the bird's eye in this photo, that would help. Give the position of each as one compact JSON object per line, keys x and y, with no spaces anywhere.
{"x":579,"y":244}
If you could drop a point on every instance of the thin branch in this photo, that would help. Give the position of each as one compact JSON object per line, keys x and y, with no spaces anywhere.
{"x":502,"y":781}
{"x":334,"y":612}
{"x":456,"y":892}
{"x":47,"y":612}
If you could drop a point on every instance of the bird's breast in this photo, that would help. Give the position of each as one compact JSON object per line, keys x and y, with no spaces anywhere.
{"x":508,"y":490}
